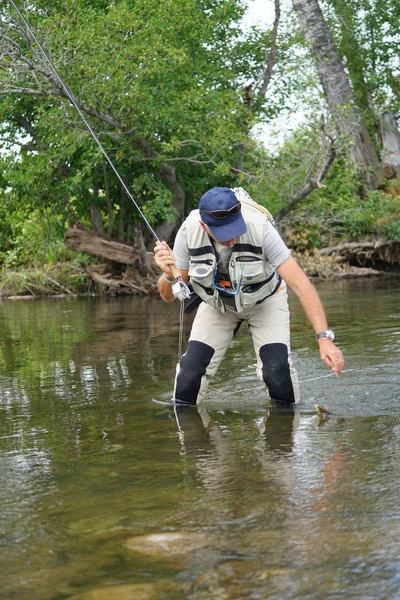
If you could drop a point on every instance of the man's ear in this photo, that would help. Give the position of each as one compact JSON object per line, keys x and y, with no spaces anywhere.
{"x":203,"y":226}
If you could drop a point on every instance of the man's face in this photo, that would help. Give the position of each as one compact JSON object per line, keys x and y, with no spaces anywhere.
{"x":228,"y":244}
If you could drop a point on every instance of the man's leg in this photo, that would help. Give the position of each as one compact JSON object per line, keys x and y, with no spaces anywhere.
{"x":211,"y":334}
{"x":270,"y":329}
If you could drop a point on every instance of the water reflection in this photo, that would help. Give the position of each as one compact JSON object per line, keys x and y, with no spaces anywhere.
{"x":266,"y":502}
{"x":210,"y":437}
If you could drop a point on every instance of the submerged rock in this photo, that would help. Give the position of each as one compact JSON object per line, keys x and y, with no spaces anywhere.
{"x":136,"y":591}
{"x":139,"y":591}
{"x":168,"y":543}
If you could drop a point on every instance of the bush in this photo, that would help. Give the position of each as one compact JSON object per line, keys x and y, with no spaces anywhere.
{"x":337,"y":211}
{"x":32,"y":240}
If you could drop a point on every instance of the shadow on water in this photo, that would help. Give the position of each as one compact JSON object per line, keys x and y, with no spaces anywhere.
{"x":106,"y":494}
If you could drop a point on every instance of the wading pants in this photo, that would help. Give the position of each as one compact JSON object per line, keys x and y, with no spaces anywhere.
{"x":211,"y":335}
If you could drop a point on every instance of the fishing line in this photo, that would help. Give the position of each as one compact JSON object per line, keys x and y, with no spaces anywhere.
{"x":73,"y":100}
{"x":254,"y":389}
{"x":180,"y":289}
{"x":181,"y":318}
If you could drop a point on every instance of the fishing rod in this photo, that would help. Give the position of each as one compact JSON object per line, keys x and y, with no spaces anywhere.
{"x":180,"y":290}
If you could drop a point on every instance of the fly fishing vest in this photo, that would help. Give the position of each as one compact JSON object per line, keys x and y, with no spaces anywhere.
{"x":249,"y":270}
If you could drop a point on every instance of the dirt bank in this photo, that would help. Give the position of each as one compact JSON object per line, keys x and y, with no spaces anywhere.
{"x":69,"y":279}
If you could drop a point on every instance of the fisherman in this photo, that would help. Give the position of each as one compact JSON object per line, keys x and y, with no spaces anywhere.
{"x":238,"y":265}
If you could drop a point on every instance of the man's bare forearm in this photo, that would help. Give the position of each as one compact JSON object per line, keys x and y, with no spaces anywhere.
{"x":306,"y":293}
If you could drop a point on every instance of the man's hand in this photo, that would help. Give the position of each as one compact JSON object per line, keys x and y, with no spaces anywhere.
{"x":331,"y":355}
{"x":164,"y":258}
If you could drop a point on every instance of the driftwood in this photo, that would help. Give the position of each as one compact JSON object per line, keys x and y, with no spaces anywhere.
{"x":366,"y":253}
{"x":81,"y":239}
{"x":126,"y":268}
{"x":352,"y":272}
{"x":123,"y":285}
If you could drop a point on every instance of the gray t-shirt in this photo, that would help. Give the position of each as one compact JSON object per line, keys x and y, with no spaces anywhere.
{"x":275,"y":250}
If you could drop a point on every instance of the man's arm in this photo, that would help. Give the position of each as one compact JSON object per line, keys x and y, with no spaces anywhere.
{"x":308,"y":296}
{"x":164,"y":258}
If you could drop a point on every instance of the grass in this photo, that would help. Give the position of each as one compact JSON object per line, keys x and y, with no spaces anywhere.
{"x":49,"y":280}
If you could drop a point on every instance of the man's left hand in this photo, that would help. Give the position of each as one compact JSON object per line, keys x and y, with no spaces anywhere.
{"x":331,"y":355}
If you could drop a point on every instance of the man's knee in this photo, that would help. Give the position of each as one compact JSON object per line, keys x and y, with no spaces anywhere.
{"x":276,"y":372}
{"x":193,"y":367}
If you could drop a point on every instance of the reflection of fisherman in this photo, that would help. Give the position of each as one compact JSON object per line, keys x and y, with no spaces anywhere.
{"x":198,"y":430}
{"x":238,"y":265}
{"x":222,"y":459}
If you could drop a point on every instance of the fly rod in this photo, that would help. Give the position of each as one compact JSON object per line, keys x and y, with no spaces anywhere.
{"x":179,"y":289}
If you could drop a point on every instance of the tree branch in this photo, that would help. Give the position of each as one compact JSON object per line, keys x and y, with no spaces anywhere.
{"x":270,"y":58}
{"x":27,"y":125}
{"x":312,"y":181}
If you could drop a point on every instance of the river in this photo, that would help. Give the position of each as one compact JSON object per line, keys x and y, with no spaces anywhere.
{"x":108,"y":493}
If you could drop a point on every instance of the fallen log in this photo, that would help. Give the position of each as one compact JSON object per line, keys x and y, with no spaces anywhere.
{"x":351,"y":272}
{"x":366,"y":253}
{"x":126,"y":268}
{"x":119,"y":285}
{"x":80,"y":239}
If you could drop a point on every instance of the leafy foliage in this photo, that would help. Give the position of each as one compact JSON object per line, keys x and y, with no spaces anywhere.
{"x":335,"y":212}
{"x":164,"y":90}
{"x":160,"y":88}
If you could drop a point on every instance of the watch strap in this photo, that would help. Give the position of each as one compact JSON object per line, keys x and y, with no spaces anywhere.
{"x":326,"y":334}
{"x":171,"y":281}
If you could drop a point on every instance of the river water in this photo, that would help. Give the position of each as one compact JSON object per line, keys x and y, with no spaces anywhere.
{"x":106,"y":493}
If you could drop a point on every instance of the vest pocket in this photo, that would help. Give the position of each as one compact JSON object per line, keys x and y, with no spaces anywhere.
{"x":255,"y":294}
{"x":251,"y":267}
{"x":201,"y":271}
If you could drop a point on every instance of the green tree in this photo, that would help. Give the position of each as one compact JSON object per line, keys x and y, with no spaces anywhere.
{"x":338,"y":91}
{"x":162,"y":89}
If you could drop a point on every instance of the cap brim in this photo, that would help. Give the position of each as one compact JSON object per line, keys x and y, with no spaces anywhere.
{"x":228,"y":231}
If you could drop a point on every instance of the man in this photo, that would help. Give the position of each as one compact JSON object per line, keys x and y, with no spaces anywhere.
{"x":239,"y":266}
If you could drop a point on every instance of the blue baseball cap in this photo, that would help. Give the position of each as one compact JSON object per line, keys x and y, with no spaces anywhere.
{"x":227,"y":227}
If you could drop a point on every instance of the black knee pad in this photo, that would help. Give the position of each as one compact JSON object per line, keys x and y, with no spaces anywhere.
{"x":193,"y":366}
{"x":276,"y":372}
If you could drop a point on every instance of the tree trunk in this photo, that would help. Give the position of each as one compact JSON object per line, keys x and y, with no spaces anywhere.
{"x":166,"y":229}
{"x":337,"y":88}
{"x":258,"y":88}
{"x":145,"y":261}
{"x":122,"y":215}
{"x":349,"y":48}
{"x":169,"y":175}
{"x":95,"y":211}
{"x":109,"y":203}
{"x":95,"y":218}
{"x":391,"y":145}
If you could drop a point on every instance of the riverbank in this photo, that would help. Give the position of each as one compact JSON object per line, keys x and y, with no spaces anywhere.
{"x":71,"y":279}
{"x":319,"y":267}
{"x":51,"y":280}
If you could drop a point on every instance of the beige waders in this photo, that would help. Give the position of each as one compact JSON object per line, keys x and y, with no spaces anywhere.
{"x":211,"y":335}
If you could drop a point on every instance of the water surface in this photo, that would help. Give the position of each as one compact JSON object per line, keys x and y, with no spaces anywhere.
{"x":106,"y":493}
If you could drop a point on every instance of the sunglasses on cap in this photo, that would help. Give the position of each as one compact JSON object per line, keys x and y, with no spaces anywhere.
{"x":222,"y":214}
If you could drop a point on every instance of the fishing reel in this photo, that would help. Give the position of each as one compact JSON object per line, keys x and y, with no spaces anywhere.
{"x":181,"y":290}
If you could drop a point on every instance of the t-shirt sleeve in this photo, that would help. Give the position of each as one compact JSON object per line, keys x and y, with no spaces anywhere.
{"x":181,"y":251}
{"x":275,"y":249}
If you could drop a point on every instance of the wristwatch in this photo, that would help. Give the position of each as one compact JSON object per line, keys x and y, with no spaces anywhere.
{"x":171,"y":281}
{"x":326,"y":334}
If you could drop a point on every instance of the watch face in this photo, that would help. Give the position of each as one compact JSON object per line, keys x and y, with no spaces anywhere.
{"x":326,"y":334}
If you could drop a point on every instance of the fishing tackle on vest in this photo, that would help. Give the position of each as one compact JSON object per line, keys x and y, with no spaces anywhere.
{"x":180,"y":290}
